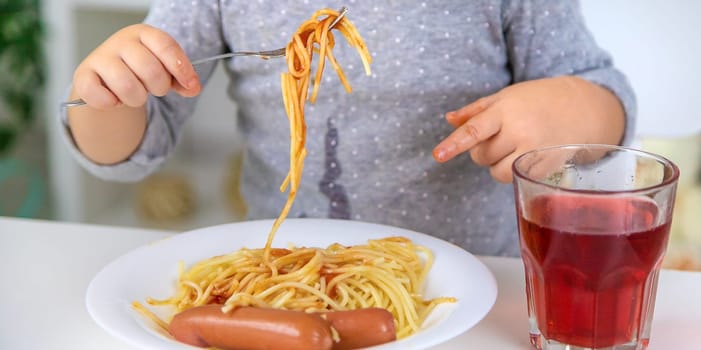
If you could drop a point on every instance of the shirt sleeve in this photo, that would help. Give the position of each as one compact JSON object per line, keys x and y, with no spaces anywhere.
{"x":548,"y":38}
{"x":196,"y":26}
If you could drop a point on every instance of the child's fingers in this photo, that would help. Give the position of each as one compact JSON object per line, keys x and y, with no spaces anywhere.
{"x":493,"y":150}
{"x":148,"y":69}
{"x":174,"y":59}
{"x":459,"y":117}
{"x":502,"y":171}
{"x":186,"y":92}
{"x":88,"y":84}
{"x":124,"y":84}
{"x":479,"y":128}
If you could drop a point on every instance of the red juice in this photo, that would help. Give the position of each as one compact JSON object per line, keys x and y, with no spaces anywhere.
{"x":591,"y":266}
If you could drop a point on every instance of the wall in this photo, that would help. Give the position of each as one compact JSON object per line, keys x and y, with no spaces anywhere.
{"x":656,"y":43}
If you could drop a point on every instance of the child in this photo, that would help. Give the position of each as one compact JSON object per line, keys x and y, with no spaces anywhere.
{"x":457,"y":92}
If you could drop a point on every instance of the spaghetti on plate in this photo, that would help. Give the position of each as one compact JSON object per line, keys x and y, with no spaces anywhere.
{"x":388,"y":273}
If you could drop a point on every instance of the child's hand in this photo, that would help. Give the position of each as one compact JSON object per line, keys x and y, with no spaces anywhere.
{"x":132,"y":63}
{"x":498,"y":128}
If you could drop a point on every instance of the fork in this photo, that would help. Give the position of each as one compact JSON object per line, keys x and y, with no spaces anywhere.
{"x":260,"y":54}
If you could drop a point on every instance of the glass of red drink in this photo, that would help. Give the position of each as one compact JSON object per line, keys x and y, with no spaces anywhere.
{"x":593,"y":225}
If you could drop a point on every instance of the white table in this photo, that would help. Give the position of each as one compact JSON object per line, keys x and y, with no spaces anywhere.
{"x":46,"y":267}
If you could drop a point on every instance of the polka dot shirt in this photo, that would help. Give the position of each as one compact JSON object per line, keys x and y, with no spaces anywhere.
{"x":369,"y":152}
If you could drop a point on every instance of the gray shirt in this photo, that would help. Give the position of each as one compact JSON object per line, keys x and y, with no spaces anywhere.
{"x":369,"y":152}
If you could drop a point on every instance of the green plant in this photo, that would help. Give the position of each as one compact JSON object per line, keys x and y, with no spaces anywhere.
{"x":21,"y":68}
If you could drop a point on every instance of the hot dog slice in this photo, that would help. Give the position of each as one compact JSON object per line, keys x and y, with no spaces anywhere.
{"x":362,"y":328}
{"x":251,"y":328}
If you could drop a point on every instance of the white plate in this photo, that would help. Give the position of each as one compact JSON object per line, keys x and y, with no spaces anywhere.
{"x":151,"y":271}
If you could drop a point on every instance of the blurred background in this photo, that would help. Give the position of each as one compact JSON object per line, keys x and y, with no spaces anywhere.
{"x":41,"y":41}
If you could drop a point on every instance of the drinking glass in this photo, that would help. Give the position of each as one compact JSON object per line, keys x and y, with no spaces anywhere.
{"x":594,"y":223}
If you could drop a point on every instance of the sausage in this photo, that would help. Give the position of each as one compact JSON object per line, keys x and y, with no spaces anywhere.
{"x":261,"y":328}
{"x":251,"y":328}
{"x":362,"y":328}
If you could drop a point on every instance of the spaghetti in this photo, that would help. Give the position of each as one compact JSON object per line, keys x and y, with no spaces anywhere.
{"x":313,"y":36}
{"x":387,"y":273}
